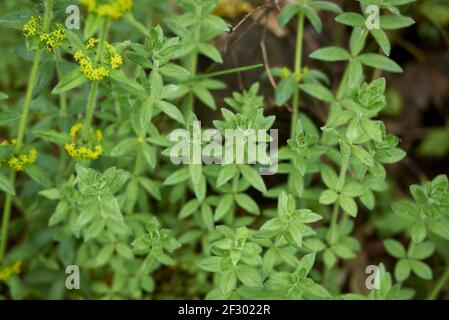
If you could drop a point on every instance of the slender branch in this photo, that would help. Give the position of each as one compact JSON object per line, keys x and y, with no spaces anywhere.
{"x":439,"y":286}
{"x":298,"y":65}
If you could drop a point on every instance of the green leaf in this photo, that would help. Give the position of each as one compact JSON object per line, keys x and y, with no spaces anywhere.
{"x":287,"y":13}
{"x":38,"y":174}
{"x":6,"y":185}
{"x":331,"y":54}
{"x":189,"y":208}
{"x":211,"y":264}
{"x":205,"y":96}
{"x":224,"y":206}
{"x":170,"y":110}
{"x":402,"y":270}
{"x":348,"y":205}
{"x":372,"y":129}
{"x":421,"y":269}
{"x":70,"y":81}
{"x":174,"y":71}
{"x":210,"y":51}
{"x":247,"y":203}
{"x":395,"y":248}
{"x":15,"y":20}
{"x":343,"y":251}
{"x":3,"y":96}
{"x":328,"y":197}
{"x":105,"y":254}
{"x":351,"y":19}
{"x":150,"y":187}
{"x":392,"y":22}
{"x":314,"y":18}
{"x":249,"y":276}
{"x":318,"y":91}
{"x":418,"y":232}
{"x":362,"y":155}
{"x":53,"y":136}
{"x":422,"y":250}
{"x":9,"y":117}
{"x":177,"y":177}
{"x":378,"y":61}
{"x":325,"y":5}
{"x":207,"y":216}
{"x":124,"y":147}
{"x":382,"y":39}
{"x":226,"y":174}
{"x":252,"y":176}
{"x":127,"y":83}
{"x":329,"y":177}
{"x":285,"y":90}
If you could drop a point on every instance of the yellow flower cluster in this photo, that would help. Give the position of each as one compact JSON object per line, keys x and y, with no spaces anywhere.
{"x":19,"y":162}
{"x":76,"y":150}
{"x":7,"y":272}
{"x":232,"y":8}
{"x":285,"y":73}
{"x":115,"y":59}
{"x":53,"y":39}
{"x":87,"y":67}
{"x":114,"y":9}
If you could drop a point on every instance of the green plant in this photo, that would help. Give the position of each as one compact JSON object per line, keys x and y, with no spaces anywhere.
{"x":103,"y":192}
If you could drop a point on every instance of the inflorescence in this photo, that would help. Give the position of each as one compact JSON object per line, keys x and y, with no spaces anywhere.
{"x":114,"y":9}
{"x":88,"y":66}
{"x":19,"y":162}
{"x":76,"y":149}
{"x":51,"y":40}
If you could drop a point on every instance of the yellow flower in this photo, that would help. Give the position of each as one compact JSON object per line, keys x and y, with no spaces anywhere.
{"x":19,"y":163}
{"x":31,"y":27}
{"x":91,"y":43}
{"x":285,"y":73}
{"x":77,"y":150}
{"x":114,"y":9}
{"x":7,"y":272}
{"x":96,"y":72}
{"x":51,"y":40}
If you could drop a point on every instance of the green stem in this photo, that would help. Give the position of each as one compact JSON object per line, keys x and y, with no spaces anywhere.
{"x":235,"y":183}
{"x":22,"y":129}
{"x":441,"y":283}
{"x":226,"y":72}
{"x":193,"y":60}
{"x":5,"y":220}
{"x":297,"y":74}
{"x":92,"y":101}
{"x":358,"y":47}
{"x":63,"y":95}
{"x":340,"y":184}
{"x":28,"y":99}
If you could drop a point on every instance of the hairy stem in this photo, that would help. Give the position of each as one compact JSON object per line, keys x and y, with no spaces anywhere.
{"x":298,"y":65}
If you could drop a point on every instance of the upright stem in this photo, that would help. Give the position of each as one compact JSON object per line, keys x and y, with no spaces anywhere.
{"x":298,"y":65}
{"x":441,"y":283}
{"x":22,"y":129}
{"x":28,"y":99}
{"x":5,"y":220}
{"x":92,"y":101}
{"x":340,"y":184}
{"x":193,"y":60}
